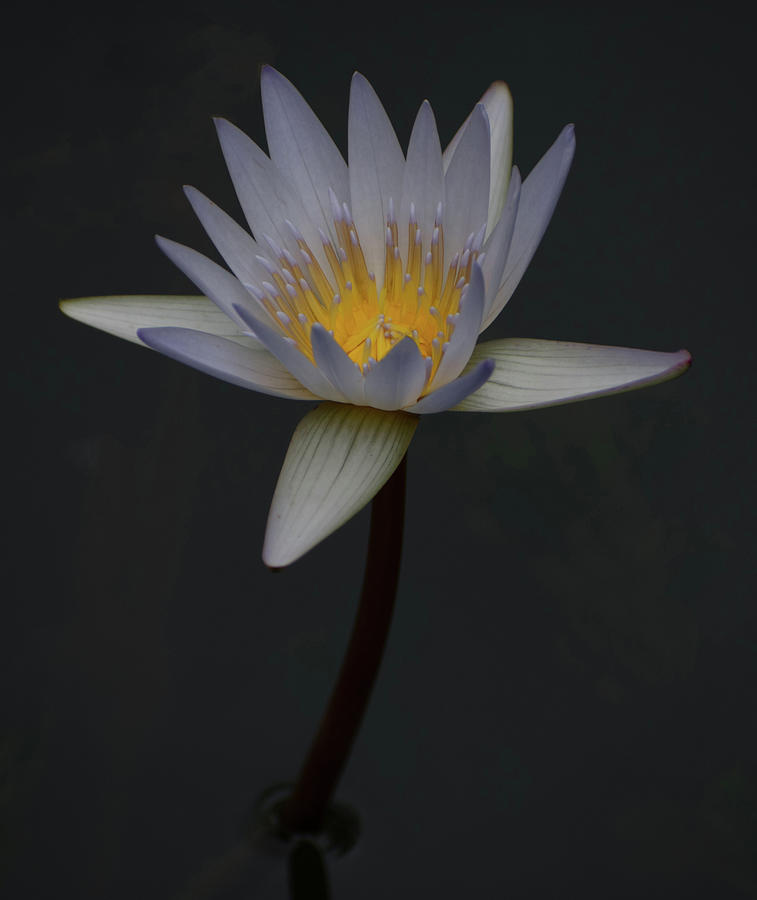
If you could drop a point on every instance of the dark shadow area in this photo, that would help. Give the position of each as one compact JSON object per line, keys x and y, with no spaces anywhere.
{"x":565,"y":707}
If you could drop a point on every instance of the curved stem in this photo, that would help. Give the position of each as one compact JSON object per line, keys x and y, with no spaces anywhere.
{"x":325,"y":761}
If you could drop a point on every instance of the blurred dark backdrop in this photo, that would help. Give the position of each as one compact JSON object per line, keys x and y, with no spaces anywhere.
{"x":566,"y":705}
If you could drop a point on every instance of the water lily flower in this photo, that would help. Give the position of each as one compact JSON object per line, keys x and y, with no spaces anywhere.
{"x":366,"y":286}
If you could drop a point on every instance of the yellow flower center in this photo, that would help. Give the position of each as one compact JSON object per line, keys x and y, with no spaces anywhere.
{"x":416,"y":298}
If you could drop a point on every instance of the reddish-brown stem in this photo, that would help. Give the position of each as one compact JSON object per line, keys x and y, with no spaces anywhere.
{"x":305,"y":808}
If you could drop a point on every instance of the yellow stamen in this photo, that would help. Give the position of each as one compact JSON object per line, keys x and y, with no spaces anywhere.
{"x":416,"y":301}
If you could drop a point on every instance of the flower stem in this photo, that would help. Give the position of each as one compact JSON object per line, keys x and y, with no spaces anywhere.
{"x":304,"y":810}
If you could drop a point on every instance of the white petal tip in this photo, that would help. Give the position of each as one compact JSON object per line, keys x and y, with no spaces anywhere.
{"x":269,"y":74}
{"x":568,"y":137}
{"x":144,"y":335}
{"x":684,"y":361}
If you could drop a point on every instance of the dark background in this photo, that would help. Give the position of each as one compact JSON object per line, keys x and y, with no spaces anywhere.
{"x":566,"y":704}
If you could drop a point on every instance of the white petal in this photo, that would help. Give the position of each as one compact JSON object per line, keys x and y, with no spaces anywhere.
{"x":300,"y":146}
{"x":337,"y":460}
{"x":285,"y":350}
{"x":499,"y":108}
{"x":467,"y":328}
{"x":398,"y":378}
{"x":466,"y":184}
{"x":215,"y":282}
{"x":538,"y":198}
{"x":123,"y":315}
{"x":455,"y":391}
{"x":497,"y":248}
{"x":265,"y":196}
{"x":376,"y":165}
{"x":531,"y":373}
{"x":423,"y":179}
{"x":342,"y":372}
{"x":257,"y":370}
{"x":233,"y":243}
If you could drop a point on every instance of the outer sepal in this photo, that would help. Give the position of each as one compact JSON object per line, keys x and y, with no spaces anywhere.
{"x":530,"y":373}
{"x":338,"y":459}
{"x":123,"y":315}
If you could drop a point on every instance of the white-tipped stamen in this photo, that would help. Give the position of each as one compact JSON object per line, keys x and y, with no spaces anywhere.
{"x":267,"y":265}
{"x":418,"y":297}
{"x":275,"y":249}
{"x":336,"y":208}
{"x":296,"y":233}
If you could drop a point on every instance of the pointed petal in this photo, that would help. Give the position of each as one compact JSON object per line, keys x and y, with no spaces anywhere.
{"x":398,"y":378}
{"x":499,"y":108}
{"x":337,"y":460}
{"x":215,"y":282}
{"x":466,"y":184}
{"x":467,"y":327}
{"x":255,"y":180}
{"x":341,"y":371}
{"x":233,"y":243}
{"x":376,"y":165}
{"x":452,"y":393}
{"x":265,"y":196}
{"x":538,"y":198}
{"x":123,"y":315}
{"x":423,"y":179}
{"x":256,"y":370}
{"x":531,"y":373}
{"x":300,"y":146}
{"x":287,"y":353}
{"x":497,"y":248}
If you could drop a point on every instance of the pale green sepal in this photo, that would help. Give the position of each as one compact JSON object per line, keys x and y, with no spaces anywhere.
{"x":123,"y":315}
{"x":338,"y":458}
{"x":530,"y":373}
{"x":499,"y":108}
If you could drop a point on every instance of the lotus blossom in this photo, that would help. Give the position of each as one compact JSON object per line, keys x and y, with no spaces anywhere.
{"x":367,"y":286}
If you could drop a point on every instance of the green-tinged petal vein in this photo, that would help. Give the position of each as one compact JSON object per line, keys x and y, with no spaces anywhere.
{"x":530,"y":373}
{"x":123,"y":315}
{"x":338,"y":458}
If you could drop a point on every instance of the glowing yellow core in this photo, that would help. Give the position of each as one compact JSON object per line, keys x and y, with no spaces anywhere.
{"x":416,"y":299}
